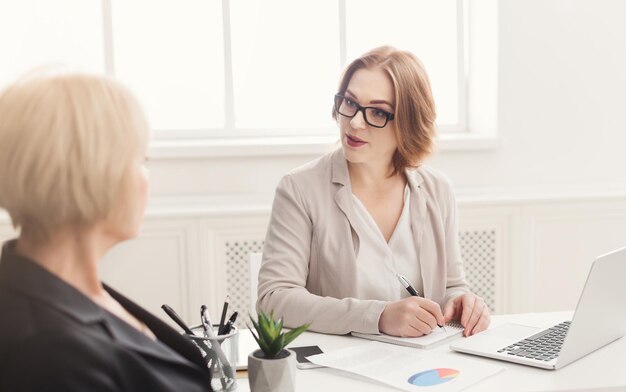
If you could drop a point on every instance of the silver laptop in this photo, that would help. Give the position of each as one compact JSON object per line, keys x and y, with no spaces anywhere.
{"x":599,"y":319}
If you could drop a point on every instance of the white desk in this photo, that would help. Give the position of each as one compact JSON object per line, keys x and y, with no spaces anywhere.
{"x":603,"y":370}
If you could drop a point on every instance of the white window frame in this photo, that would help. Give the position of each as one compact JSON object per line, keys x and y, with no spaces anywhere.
{"x":475,"y":129}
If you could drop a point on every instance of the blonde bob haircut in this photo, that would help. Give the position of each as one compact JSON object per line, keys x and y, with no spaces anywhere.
{"x":414,"y":111}
{"x":67,"y":142}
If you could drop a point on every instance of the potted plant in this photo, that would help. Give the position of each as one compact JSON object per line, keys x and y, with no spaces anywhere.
{"x":272,"y":368}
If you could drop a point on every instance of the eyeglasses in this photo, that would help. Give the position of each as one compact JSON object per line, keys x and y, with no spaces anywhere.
{"x":375,"y":117}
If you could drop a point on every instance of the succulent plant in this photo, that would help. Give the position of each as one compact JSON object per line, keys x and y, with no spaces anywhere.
{"x":270,"y":336}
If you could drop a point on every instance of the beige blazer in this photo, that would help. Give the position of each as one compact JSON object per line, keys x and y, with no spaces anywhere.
{"x":308,"y":272}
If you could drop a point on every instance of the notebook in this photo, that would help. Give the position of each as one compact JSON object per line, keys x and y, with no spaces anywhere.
{"x":438,"y":336}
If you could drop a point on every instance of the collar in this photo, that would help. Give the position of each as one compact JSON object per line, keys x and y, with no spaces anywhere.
{"x":341,"y":176}
{"x":23,"y":275}
{"x":137,"y":341}
{"x":32,"y":280}
{"x":413,"y":177}
{"x":339,"y":168}
{"x":418,"y":207}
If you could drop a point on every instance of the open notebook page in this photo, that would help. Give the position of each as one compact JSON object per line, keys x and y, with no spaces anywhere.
{"x":435,"y":338}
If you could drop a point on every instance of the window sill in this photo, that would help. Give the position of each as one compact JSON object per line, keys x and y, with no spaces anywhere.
{"x":290,"y":146}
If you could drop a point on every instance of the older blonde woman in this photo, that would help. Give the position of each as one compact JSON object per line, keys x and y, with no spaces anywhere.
{"x":344,"y":226}
{"x":72,"y":179}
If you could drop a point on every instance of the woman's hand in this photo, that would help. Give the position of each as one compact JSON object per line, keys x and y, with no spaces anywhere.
{"x":410,"y":317}
{"x":471,"y":310}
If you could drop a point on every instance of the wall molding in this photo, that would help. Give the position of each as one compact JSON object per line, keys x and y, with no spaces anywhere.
{"x":289,"y":146}
{"x":610,"y":212}
{"x":186,"y":263}
{"x":217,"y":232}
{"x":244,"y":205}
{"x":505,"y":221}
{"x":200,"y":229}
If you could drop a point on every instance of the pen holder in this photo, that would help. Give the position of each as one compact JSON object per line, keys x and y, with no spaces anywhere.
{"x":221,"y":358}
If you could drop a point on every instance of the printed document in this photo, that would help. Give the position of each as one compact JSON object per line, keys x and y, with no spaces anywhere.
{"x":408,"y":369}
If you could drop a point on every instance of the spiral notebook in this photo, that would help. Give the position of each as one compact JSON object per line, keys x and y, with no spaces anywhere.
{"x":438,"y":336}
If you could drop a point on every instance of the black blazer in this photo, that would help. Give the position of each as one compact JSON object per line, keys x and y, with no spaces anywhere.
{"x":54,"y":338}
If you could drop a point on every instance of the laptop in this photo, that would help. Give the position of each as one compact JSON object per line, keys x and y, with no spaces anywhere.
{"x":599,"y":319}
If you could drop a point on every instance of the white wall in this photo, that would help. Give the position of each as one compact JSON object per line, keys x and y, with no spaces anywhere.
{"x":554,"y":190}
{"x":562,"y":90}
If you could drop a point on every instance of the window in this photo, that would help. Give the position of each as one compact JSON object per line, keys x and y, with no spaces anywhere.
{"x":171,"y":54}
{"x":239,"y":68}
{"x":36,"y":33}
{"x":432,"y":30}
{"x":285,"y":61}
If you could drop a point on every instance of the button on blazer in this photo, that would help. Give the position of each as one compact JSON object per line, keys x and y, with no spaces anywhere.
{"x":309,"y":269}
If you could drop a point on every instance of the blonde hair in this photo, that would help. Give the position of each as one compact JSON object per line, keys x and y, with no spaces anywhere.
{"x":414,"y":111}
{"x":66,"y":145}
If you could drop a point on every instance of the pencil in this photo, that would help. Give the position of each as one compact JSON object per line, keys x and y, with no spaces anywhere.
{"x":220,"y":329}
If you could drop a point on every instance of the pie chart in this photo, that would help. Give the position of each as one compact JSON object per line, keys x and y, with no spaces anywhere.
{"x":432,"y":377}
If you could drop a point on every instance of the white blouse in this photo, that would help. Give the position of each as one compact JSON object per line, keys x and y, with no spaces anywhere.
{"x":378,"y":261}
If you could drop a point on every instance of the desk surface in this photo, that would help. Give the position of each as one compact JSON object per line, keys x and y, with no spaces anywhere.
{"x":603,"y":370}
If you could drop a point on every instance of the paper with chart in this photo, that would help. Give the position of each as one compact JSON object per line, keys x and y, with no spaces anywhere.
{"x":408,"y":369}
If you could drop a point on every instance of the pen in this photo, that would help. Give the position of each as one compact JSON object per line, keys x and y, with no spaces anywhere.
{"x":204,"y":321}
{"x":409,"y":287}
{"x":228,"y":370}
{"x":229,"y":324}
{"x":174,"y":316}
{"x":220,"y":329}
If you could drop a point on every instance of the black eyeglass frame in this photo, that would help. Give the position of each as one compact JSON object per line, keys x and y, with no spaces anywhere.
{"x":359,"y":108}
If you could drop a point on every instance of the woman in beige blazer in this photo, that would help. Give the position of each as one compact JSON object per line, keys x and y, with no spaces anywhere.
{"x":323,"y":263}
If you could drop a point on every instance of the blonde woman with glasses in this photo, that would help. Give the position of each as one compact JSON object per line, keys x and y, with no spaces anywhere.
{"x":73,"y":180}
{"x":344,"y":227}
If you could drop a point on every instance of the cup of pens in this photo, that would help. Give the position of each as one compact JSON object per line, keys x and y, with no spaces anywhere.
{"x":217,"y":343}
{"x":221,"y":357}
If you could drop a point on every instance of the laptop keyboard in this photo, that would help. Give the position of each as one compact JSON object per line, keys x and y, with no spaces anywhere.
{"x":543,"y":346}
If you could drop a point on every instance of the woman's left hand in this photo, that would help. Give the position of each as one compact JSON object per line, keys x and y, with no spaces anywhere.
{"x":471,"y":310}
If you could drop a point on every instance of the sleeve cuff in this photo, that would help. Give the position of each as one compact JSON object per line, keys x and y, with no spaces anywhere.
{"x":372,"y":316}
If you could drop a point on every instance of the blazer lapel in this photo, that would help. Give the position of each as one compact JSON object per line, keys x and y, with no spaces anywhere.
{"x":136,"y":341}
{"x":419,"y":219}
{"x":343,"y":196}
{"x":39,"y":284}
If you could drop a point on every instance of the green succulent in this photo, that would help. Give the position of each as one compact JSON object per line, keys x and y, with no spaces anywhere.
{"x":270,"y":336}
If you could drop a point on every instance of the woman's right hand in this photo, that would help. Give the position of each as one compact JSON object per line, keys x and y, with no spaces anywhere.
{"x":410,"y":317}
